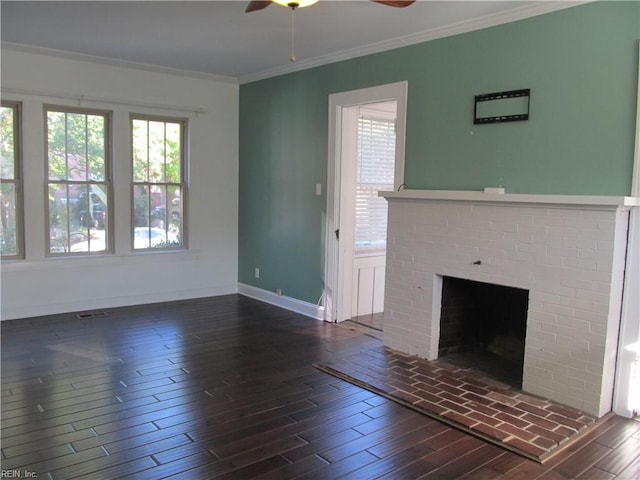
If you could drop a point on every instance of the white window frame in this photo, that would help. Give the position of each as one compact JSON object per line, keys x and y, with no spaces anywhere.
{"x":367,"y":120}
{"x":16,"y":180}
{"x":107,"y":182}
{"x":182,"y":185}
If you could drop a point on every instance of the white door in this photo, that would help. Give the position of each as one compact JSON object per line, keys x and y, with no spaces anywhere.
{"x":350,"y":282}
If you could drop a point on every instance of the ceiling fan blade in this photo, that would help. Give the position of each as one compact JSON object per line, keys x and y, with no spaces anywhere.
{"x":257,"y":5}
{"x":395,"y":3}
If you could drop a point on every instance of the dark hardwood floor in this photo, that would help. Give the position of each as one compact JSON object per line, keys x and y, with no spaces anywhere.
{"x":374,"y":321}
{"x":225,"y":388}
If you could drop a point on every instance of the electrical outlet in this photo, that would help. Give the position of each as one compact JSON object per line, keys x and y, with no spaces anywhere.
{"x":257,"y":272}
{"x":279,"y":291}
{"x":318,"y":189}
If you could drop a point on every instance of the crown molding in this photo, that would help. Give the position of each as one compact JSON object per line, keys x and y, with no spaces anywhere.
{"x":515,"y":14}
{"x":18,"y":47}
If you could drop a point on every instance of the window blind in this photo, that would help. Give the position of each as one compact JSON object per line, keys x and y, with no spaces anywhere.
{"x":375,"y":171}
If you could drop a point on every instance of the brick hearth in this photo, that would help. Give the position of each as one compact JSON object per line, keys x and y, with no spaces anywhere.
{"x":466,"y":399}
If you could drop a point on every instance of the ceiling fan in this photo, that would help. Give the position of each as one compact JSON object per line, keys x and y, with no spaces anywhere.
{"x":295,"y":4}
{"x":260,"y":4}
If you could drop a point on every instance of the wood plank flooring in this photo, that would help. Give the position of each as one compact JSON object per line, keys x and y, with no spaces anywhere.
{"x":225,"y":388}
{"x":374,"y":321}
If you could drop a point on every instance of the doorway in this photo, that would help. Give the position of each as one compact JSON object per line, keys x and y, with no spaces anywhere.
{"x":374,"y":128}
{"x":366,"y":154}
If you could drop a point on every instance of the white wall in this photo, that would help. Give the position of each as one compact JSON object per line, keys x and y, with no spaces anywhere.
{"x":39,"y":285}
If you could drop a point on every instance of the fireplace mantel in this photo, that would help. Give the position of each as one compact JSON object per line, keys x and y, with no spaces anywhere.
{"x":471,"y":196}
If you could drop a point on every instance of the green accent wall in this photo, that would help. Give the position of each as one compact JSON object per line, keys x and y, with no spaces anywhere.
{"x":581,"y":65}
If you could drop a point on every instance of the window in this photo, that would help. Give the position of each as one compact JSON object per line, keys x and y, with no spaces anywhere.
{"x":78,"y":181}
{"x":11,"y":244}
{"x":375,"y":171}
{"x":159,"y":187}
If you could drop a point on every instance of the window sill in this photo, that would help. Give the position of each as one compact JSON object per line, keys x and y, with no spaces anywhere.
{"x":378,"y":252}
{"x":98,"y":260}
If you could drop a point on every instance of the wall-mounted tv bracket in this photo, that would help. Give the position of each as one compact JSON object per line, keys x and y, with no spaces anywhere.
{"x":511,"y":106}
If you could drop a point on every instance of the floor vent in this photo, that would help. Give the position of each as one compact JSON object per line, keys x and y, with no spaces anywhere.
{"x":92,"y":315}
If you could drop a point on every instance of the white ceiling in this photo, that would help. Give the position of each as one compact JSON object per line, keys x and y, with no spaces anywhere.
{"x":218,"y":38}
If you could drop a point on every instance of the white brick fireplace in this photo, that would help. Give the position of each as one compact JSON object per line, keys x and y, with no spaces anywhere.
{"x":567,"y":251}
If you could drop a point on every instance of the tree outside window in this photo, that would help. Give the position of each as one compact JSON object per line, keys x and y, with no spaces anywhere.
{"x":11,"y":244}
{"x":158,"y":157}
{"x":78,"y":181}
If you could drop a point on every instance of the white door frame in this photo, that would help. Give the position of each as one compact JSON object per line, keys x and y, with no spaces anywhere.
{"x":338,"y":296}
{"x":626,"y":390}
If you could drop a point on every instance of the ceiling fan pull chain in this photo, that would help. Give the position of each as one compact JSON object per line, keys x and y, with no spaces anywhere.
{"x":292,"y":58}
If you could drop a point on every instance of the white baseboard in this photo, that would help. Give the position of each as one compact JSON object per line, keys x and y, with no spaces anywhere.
{"x":288,"y":303}
{"x":36,"y":310}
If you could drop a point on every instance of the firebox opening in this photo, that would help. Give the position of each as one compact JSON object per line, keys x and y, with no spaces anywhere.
{"x":483,"y":326}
